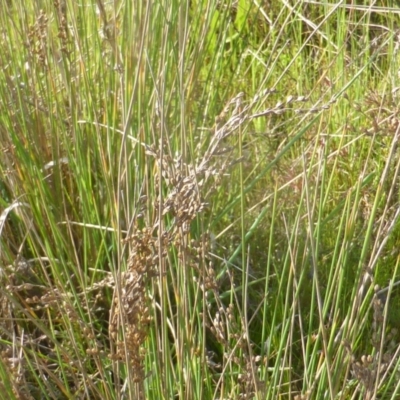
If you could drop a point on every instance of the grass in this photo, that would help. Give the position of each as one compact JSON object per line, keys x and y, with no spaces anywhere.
{"x":199,"y":200}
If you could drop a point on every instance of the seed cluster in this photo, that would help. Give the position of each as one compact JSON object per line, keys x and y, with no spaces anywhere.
{"x":37,"y":39}
{"x":186,"y":187}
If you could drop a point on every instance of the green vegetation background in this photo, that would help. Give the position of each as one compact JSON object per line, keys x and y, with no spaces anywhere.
{"x":199,"y":199}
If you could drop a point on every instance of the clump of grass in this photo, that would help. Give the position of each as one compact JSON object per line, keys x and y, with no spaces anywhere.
{"x":198,"y":200}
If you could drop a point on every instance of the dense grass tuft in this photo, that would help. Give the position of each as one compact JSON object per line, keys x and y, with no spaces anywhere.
{"x":199,"y":200}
